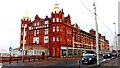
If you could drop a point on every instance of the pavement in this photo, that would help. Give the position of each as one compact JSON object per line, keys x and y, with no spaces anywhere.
{"x":51,"y":61}
{"x":112,"y":63}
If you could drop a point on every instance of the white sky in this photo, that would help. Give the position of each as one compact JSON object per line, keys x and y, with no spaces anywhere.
{"x":12,"y":11}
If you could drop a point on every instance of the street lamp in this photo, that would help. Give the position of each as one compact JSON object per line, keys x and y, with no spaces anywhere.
{"x":115,"y":40}
{"x":96,"y":26}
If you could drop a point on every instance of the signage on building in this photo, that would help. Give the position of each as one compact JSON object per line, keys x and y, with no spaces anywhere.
{"x":20,"y":49}
{"x":10,"y":48}
{"x":38,"y":27}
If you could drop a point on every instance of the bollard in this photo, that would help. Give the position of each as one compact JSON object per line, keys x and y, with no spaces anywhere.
{"x":29,"y":58}
{"x":17,"y":59}
{"x":78,"y":64}
{"x":10,"y":60}
{"x":39,"y":58}
{"x":47,"y":57}
{"x":23,"y":59}
{"x":34,"y":58}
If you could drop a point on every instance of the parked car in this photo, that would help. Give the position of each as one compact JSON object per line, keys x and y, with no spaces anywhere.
{"x":114,"y":54}
{"x":91,"y":52}
{"x":89,"y":59}
{"x":107,"y":55}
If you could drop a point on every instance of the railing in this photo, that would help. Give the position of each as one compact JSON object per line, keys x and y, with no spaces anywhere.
{"x":24,"y":58}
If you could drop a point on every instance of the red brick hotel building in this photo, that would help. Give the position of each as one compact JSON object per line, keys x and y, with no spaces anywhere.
{"x":57,"y":37}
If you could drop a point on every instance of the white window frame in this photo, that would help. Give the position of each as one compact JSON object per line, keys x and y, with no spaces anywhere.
{"x":25,"y":25}
{"x":21,"y":41}
{"x":46,"y":22}
{"x":30,"y":28}
{"x":57,"y":28}
{"x":53,"y":39}
{"x":53,"y":19}
{"x":53,"y":29}
{"x":34,"y":24}
{"x":57,"y":19}
{"x":38,"y":32}
{"x":36,"y":39}
{"x":22,"y":25}
{"x":61,"y":28}
{"x":60,"y":20}
{"x":46,"y":39}
{"x":22,"y":32}
{"x":46,"y":31}
{"x":57,"y":39}
{"x":38,"y":24}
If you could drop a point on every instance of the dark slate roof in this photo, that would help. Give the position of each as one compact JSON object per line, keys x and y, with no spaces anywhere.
{"x":30,"y":23}
{"x":65,"y":18}
{"x":88,"y":34}
{"x":42,"y":20}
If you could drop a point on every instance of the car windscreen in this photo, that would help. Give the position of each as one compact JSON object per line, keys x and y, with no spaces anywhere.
{"x":87,"y":56}
{"x":106,"y":53}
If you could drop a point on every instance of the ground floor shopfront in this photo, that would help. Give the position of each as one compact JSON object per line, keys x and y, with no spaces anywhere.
{"x":56,"y":51}
{"x":70,"y":51}
{"x":64,"y":51}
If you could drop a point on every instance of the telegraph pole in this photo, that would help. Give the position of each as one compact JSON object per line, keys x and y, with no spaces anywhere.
{"x":96,"y":26}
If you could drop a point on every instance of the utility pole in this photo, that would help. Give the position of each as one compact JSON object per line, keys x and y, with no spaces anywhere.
{"x":96,"y":26}
{"x":115,"y":40}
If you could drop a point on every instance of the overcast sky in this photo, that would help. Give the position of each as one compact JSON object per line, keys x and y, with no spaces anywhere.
{"x":12,"y":11}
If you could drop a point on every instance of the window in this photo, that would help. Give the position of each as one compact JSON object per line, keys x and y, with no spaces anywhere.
{"x":30,"y":28}
{"x":57,"y":28}
{"x":53,"y":39}
{"x":46,"y":31}
{"x":25,"y":25}
{"x":22,"y":25}
{"x":57,"y":19}
{"x":37,"y":31}
{"x":60,"y":20}
{"x":21,"y":41}
{"x":45,"y":39}
{"x":36,"y":40}
{"x":46,"y":22}
{"x":34,"y":24}
{"x":53,"y":19}
{"x":21,"y":32}
{"x":38,"y":24}
{"x":60,"y":39}
{"x":57,"y":39}
{"x":61,"y":28}
{"x":53,"y":29}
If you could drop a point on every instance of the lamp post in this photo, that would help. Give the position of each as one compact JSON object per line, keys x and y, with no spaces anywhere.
{"x":115,"y":40}
{"x":96,"y":26}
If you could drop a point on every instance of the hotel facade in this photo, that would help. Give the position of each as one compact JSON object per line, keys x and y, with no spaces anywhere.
{"x":57,"y":37}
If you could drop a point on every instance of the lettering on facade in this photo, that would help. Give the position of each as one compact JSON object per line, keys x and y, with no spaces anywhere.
{"x":38,"y":27}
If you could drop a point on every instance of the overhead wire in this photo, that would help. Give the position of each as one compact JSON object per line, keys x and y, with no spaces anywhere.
{"x":98,"y":17}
